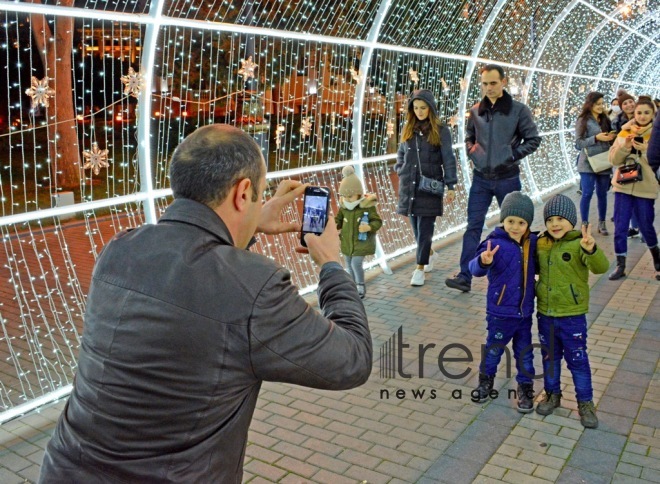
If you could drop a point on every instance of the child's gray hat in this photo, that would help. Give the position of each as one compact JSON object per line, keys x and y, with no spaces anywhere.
{"x":561,"y":206}
{"x":517,"y":204}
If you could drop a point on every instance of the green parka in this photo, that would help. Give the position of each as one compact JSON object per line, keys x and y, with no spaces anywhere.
{"x":563,"y":285}
{"x":348,"y":222}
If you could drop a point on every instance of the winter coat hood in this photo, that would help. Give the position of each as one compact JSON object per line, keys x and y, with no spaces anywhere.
{"x":426,"y":96}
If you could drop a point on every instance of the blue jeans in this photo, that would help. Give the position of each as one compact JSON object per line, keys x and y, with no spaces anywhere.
{"x":565,"y":337}
{"x":423,"y":228}
{"x":354,"y":267}
{"x":589,"y":182}
{"x":624,"y":207}
{"x":481,"y":196}
{"x":500,"y":332}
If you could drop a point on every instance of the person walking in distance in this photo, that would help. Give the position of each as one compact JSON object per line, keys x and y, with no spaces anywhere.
{"x":500,"y":132}
{"x":425,"y":151}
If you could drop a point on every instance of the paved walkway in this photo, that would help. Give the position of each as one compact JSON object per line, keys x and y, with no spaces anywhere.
{"x":424,"y":428}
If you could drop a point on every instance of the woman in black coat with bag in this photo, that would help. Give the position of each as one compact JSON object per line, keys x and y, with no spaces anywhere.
{"x":425,"y":153}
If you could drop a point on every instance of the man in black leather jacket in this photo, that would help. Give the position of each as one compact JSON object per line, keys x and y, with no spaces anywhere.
{"x":500,"y":132}
{"x":183,"y":324}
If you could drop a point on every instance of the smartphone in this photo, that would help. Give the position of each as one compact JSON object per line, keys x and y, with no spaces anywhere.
{"x":316,"y":205}
{"x":638,"y":139}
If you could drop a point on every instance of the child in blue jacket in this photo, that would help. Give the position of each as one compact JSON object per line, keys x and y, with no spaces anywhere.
{"x":507,"y":256}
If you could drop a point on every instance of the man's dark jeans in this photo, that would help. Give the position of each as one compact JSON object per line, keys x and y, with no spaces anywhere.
{"x":565,"y":337}
{"x":481,"y":196}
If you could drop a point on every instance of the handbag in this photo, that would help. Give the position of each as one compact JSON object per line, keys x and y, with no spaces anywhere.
{"x":431,"y":185}
{"x":428,"y":184}
{"x":631,"y":173}
{"x":599,"y":162}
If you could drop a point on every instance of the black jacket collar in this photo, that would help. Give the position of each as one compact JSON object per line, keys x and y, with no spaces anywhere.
{"x":194,"y":213}
{"x":503,"y":104}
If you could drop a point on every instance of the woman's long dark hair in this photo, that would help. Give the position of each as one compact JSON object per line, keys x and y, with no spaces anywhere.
{"x":581,"y":125}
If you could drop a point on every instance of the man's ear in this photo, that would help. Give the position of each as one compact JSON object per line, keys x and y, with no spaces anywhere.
{"x":242,"y":194}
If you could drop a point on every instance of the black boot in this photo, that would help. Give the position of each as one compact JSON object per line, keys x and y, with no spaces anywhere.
{"x":655,"y":252}
{"x":482,"y":392}
{"x":525,"y":397}
{"x":620,"y":268}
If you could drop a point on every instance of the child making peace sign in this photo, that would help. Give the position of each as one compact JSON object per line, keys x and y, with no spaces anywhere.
{"x":565,"y":257}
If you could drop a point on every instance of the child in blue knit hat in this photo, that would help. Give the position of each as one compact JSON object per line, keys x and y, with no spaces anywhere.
{"x":565,"y":257}
{"x":507,"y":256}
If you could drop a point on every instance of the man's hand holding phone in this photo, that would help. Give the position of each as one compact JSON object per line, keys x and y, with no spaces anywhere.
{"x":269,"y":221}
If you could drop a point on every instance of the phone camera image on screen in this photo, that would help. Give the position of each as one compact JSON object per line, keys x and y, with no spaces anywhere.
{"x":315,"y":211}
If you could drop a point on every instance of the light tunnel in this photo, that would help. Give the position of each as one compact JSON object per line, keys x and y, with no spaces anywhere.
{"x":98,"y":94}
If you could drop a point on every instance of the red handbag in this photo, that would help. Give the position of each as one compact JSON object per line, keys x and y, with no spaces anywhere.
{"x":630,"y":173}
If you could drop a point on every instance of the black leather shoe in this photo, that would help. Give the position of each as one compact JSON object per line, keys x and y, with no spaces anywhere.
{"x":458,"y":283}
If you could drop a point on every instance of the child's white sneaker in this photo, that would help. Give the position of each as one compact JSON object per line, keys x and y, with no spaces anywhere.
{"x":417,"y":278}
{"x":429,"y":267}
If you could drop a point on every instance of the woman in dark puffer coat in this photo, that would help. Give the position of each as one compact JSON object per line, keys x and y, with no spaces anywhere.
{"x":425,"y":149}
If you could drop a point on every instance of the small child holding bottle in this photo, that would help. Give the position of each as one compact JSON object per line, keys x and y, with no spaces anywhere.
{"x":358,"y":221}
{"x":565,"y":258}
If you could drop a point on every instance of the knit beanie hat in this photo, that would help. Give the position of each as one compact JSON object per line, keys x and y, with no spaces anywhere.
{"x":624,"y":97}
{"x":561,"y":206}
{"x":517,"y":204}
{"x":351,"y":184}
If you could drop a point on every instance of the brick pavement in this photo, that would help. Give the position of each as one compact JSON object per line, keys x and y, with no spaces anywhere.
{"x":417,"y":429}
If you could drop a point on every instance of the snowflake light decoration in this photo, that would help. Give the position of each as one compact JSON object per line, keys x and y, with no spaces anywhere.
{"x":278,"y":135}
{"x":463,"y":83}
{"x":390,"y":129}
{"x":413,"y":75}
{"x":445,"y":86}
{"x":132,"y":82}
{"x":306,"y":127}
{"x":95,"y":159}
{"x":247,"y":68}
{"x":354,"y":74}
{"x":40,"y":92}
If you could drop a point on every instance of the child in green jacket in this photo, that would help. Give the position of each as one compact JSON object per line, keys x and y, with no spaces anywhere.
{"x":358,"y":238}
{"x":565,"y":257}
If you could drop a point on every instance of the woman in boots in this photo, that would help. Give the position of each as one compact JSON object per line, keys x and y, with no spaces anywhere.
{"x":593,"y":136}
{"x":638,"y":196}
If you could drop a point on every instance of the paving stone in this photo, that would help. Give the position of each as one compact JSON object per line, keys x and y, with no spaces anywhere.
{"x":572,"y":475}
{"x":629,"y":469}
{"x":618,"y":406}
{"x":598,"y":439}
{"x":451,"y":470}
{"x":593,"y":461}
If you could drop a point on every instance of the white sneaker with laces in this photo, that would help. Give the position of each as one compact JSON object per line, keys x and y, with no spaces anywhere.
{"x":429,"y":267}
{"x":417,"y":278}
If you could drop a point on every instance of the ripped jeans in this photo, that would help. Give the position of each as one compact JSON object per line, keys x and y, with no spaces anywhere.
{"x":565,"y":337}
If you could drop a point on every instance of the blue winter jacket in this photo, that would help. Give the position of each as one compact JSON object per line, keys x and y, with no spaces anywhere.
{"x":511,"y":274}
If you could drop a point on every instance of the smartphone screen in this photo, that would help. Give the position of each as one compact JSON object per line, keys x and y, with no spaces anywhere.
{"x":639,"y":139}
{"x":315,"y":211}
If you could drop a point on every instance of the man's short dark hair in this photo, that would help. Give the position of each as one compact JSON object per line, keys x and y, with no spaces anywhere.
{"x":494,"y":67}
{"x":209,"y":161}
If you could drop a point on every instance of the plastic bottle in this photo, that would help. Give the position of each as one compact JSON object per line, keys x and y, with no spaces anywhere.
{"x":364,"y":220}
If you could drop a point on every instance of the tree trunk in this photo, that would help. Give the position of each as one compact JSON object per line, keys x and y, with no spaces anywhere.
{"x":63,"y":148}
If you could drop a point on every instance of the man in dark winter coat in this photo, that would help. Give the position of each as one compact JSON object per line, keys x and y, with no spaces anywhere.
{"x":500,"y":132}
{"x":183,"y":324}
